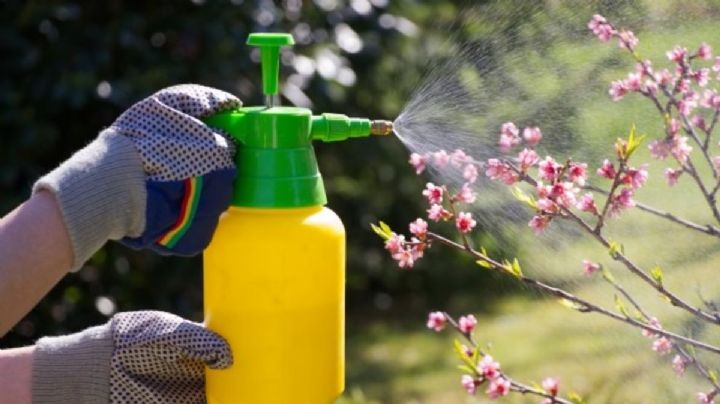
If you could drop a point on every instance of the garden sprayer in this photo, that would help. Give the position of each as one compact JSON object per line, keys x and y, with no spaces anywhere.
{"x":274,"y":273}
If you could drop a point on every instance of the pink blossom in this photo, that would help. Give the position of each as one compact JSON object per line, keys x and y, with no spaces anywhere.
{"x":662,"y":346}
{"x":539,"y":223}
{"x":655,"y":323}
{"x":659,"y":149}
{"x":587,"y":203}
{"x":467,"y":324}
{"x":698,"y":121}
{"x":672,"y":176}
{"x":607,"y":170}
{"x":716,"y":162}
{"x":433,"y":193}
{"x":664,"y":77}
{"x":704,"y":398}
{"x":623,"y":200}
{"x":442,"y":158}
{"x":464,"y":222}
{"x":458,"y":158}
{"x":674,"y":127}
{"x":419,"y":162}
{"x":489,"y":368}
{"x":437,"y":213}
{"x":551,"y":385}
{"x":633,"y":82}
{"x":680,"y":148}
{"x":405,"y":258}
{"x":701,"y":76}
{"x":716,"y":66}
{"x":618,"y":90}
{"x":419,"y":228}
{"x":644,"y":68}
{"x":679,"y":364}
{"x":498,"y":388}
{"x":469,"y":384}
{"x":600,"y":27}
{"x":711,"y":99}
{"x":686,"y":106}
{"x":549,"y":169}
{"x":497,"y":170}
{"x":577,"y":172}
{"x":590,"y":267}
{"x":563,"y":193}
{"x":468,"y":351}
{"x":627,"y":40}
{"x":470,"y":173}
{"x":436,"y":321}
{"x":704,"y":51}
{"x":509,"y":136}
{"x":527,"y":158}
{"x":532,"y":135}
{"x":395,"y":243}
{"x":636,"y":177}
{"x":466,"y":194}
{"x":650,"y":87}
{"x":677,"y":54}
{"x":548,"y":206}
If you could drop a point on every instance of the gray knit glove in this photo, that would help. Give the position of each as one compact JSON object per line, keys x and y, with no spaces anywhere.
{"x":137,"y":357}
{"x":157,"y":178}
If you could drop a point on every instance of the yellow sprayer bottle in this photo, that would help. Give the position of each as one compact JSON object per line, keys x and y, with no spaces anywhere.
{"x":274,"y":274}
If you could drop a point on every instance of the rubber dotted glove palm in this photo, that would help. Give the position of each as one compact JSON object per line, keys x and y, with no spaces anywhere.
{"x":136,"y":357}
{"x":157,"y":178}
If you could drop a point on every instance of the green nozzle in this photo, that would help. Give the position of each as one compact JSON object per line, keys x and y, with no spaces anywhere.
{"x":270,"y":44}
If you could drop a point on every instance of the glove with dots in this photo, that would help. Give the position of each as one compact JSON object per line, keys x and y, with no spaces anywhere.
{"x":157,"y":178}
{"x":136,"y":357}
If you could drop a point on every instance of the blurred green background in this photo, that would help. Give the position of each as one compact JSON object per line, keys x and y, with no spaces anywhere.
{"x":67,"y":69}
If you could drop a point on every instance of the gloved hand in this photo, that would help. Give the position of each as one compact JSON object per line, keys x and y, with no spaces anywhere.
{"x":157,"y":178}
{"x":138,"y":357}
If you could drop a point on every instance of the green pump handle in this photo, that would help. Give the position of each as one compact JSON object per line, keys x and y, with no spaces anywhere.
{"x":270,"y":44}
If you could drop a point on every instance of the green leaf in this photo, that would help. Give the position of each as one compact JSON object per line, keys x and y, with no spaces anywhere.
{"x":458,"y":347}
{"x":633,"y":142}
{"x":621,"y":306}
{"x":484,"y":264}
{"x":383,"y":231}
{"x":515,"y":269}
{"x":575,"y":398}
{"x":690,"y":349}
{"x":615,"y":248}
{"x":467,"y":369}
{"x":657,"y":275}
{"x":607,"y":274}
{"x":523,"y":197}
{"x":572,"y":305}
{"x":713,"y":376}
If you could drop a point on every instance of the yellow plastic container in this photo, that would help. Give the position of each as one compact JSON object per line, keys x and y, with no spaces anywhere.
{"x":274,"y":288}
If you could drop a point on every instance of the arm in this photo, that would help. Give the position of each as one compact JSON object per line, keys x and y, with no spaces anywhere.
{"x":15,"y":375}
{"x":35,"y":252}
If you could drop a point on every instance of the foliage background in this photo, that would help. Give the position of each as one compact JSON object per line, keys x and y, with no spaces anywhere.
{"x":67,"y":69}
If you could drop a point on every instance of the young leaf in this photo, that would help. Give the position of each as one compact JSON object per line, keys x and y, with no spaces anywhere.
{"x":657,"y":275}
{"x":573,"y":305}
{"x":383,"y":230}
{"x":575,"y":398}
{"x":515,"y":269}
{"x":615,"y":248}
{"x":607,"y":274}
{"x":713,"y":376}
{"x":621,"y":306}
{"x":467,"y":369}
{"x":484,"y":264}
{"x":460,"y":351}
{"x":523,"y":197}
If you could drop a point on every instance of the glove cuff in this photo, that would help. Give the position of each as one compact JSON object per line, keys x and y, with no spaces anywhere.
{"x":101,"y":194}
{"x":73,"y":368}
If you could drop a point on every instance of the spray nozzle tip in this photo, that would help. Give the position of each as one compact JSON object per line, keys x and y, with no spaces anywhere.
{"x":381,"y":128}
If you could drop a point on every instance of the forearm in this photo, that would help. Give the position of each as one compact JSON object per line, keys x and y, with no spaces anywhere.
{"x":35,"y":253}
{"x":16,"y":375}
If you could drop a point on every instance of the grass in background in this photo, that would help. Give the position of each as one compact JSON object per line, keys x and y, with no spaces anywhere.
{"x":396,"y":360}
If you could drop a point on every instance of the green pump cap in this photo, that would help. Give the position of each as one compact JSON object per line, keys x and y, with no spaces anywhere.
{"x":275,"y":160}
{"x":270,"y":44}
